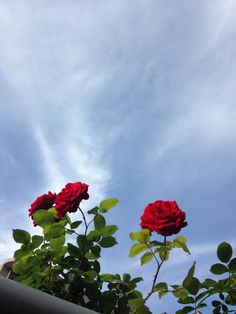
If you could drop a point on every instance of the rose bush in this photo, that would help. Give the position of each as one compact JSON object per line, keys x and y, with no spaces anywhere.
{"x":65,"y":260}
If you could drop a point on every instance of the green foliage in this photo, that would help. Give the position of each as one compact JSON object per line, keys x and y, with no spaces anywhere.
{"x":219,"y":269}
{"x":93,"y":211}
{"x":161,"y":288}
{"x":99,"y":222}
{"x":142,"y":236}
{"x":232,"y":265}
{"x":189,"y":276}
{"x":21,"y":236}
{"x":43,"y":218}
{"x":198,"y":291}
{"x":224,"y":252}
{"x":75,"y":224}
{"x":107,"y":242}
{"x":137,"y":248}
{"x":180,"y":242}
{"x":36,"y":241}
{"x":180,"y":293}
{"x":146,"y":258}
{"x":72,"y":271}
{"x":56,"y":231}
{"x":57,"y":243}
{"x":107,"y":231}
{"x":106,"y":205}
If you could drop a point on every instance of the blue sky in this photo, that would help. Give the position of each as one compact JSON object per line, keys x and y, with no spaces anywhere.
{"x":135,"y":98}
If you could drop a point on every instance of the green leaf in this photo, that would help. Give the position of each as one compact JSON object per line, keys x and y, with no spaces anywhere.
{"x":218,"y":269}
{"x":194,"y":286}
{"x":209,"y":283}
{"x":21,"y":268}
{"x":187,"y":300}
{"x":180,"y":242}
{"x":136,"y":280}
{"x":146,"y":258}
{"x":216,"y":303}
{"x":180,"y":239}
{"x":232,"y":265}
{"x":57,"y":243}
{"x":43,"y":218}
{"x":202,"y":295}
{"x":107,"y":242}
{"x":185,"y":310}
{"x":23,"y":251}
{"x":126,"y":277}
{"x":137,"y":248}
{"x":90,"y":255}
{"x":53,"y":211}
{"x":56,"y":231}
{"x":36,"y":241}
{"x":136,"y":303}
{"x":180,"y":293}
{"x":69,"y":231}
{"x":142,"y":236}
{"x":109,"y":277}
{"x":96,"y":250}
{"x":201,"y":305}
{"x":224,"y":252}
{"x":222,"y":284}
{"x":73,"y":250}
{"x":189,"y":276}
{"x":93,"y":234}
{"x":161,"y":286}
{"x":99,"y":222}
{"x":75,"y":224}
{"x":144,"y":310}
{"x":93,"y":211}
{"x":67,"y":219}
{"x":107,"y":231}
{"x":21,"y":236}
{"x":164,"y":255}
{"x":108,"y":204}
{"x":91,"y":274}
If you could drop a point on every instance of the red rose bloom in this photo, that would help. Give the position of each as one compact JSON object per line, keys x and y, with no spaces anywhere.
{"x":163,"y":217}
{"x":44,"y":201}
{"x":69,"y":198}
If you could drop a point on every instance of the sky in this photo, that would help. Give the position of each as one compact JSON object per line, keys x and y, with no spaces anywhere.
{"x":135,"y":98}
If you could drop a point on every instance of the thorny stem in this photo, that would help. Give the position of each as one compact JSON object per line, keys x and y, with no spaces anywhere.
{"x":159,"y":264}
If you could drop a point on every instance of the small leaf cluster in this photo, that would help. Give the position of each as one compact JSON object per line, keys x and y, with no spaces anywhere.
{"x":158,"y":251}
{"x":195,"y":293}
{"x":152,"y":248}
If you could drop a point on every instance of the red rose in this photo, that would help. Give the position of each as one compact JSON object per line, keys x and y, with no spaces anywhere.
{"x":163,"y":217}
{"x":69,"y":198}
{"x":44,"y":201}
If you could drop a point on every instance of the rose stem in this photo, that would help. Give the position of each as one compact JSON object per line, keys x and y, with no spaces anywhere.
{"x":85,"y":222}
{"x":159,"y":264}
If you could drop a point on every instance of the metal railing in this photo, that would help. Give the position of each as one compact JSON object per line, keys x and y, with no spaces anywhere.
{"x":18,"y":298}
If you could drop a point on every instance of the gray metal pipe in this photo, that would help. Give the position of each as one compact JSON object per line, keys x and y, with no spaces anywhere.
{"x":18,"y":298}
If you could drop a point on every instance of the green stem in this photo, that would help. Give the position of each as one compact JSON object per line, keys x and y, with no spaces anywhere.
{"x":154,"y":255}
{"x":159,"y":264}
{"x":207,"y":296}
{"x":85,"y":222}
